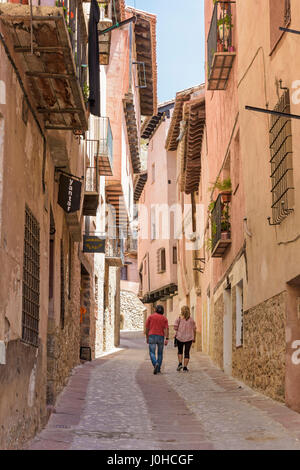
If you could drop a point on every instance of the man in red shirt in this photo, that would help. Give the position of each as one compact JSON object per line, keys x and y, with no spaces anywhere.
{"x":157,"y":333}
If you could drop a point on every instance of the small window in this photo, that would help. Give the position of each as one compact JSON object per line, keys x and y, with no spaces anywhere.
{"x":174,"y":254}
{"x":280,"y":16}
{"x":153,"y":172}
{"x":161,"y":260}
{"x":124,"y":273}
{"x":153,"y":223}
{"x":171,"y":304}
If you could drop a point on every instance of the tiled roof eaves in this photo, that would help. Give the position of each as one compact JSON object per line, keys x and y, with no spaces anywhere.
{"x":195,"y":131}
{"x":174,"y":129}
{"x":150,"y":62}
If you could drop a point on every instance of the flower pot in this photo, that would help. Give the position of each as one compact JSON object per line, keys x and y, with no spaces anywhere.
{"x":220,"y":47}
{"x":225,"y":235}
{"x":226,"y":196}
{"x":225,"y":6}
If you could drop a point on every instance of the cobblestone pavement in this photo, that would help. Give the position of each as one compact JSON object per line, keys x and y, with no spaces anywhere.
{"x":116,"y":403}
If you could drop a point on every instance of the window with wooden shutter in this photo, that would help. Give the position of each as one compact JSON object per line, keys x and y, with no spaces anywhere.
{"x":280,"y":16}
{"x":161,"y":260}
{"x":174,"y":254}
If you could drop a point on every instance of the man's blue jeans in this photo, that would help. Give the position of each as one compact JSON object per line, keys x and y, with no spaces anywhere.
{"x":156,"y":341}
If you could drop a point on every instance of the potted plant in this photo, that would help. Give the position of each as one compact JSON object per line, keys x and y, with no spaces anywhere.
{"x":224,"y":27}
{"x":224,"y":187}
{"x":225,"y":223}
{"x":225,"y":230}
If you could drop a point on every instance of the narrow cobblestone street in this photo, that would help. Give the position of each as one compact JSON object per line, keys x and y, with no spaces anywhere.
{"x":116,"y":403}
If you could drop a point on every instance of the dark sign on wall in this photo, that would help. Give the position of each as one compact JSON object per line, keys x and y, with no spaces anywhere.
{"x":69,"y":193}
{"x":93,"y":244}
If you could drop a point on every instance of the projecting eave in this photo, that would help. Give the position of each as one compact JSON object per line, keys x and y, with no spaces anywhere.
{"x":145,"y":42}
{"x":174,"y":129}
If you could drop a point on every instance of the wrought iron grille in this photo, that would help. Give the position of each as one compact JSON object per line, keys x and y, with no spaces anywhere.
{"x":31,"y":280}
{"x":62,"y":286}
{"x":219,"y":38}
{"x":281,"y":161}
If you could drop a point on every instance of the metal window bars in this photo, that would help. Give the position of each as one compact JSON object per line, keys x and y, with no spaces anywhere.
{"x":220,"y":33}
{"x":281,"y":161}
{"x":31,"y":280}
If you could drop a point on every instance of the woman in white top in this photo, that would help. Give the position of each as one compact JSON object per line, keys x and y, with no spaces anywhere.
{"x":185,"y":334}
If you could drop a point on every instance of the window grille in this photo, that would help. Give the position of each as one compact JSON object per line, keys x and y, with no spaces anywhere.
{"x":281,"y":161}
{"x":31,"y":280}
{"x":62,"y":286}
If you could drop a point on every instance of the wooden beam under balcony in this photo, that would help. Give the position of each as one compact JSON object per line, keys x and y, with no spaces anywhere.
{"x":49,"y":73}
{"x":220,"y":70}
{"x":220,"y":248}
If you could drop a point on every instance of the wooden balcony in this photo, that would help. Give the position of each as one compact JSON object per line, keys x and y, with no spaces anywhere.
{"x":51,"y":59}
{"x":220,"y":50}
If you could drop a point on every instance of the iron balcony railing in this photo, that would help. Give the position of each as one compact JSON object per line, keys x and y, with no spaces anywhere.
{"x":78,"y":36}
{"x":220,"y":222}
{"x":92,"y":179}
{"x":103,"y":133}
{"x":220,"y":33}
{"x":115,"y":248}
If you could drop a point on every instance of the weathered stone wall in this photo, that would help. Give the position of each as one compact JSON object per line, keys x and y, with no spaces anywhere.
{"x":216,"y":335}
{"x":260,"y":362}
{"x":132,"y":311}
{"x":22,"y":394}
{"x":111,"y":304}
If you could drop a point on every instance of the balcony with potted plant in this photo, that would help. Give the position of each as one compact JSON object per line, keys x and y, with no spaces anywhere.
{"x":220,"y":218}
{"x":220,"y":48}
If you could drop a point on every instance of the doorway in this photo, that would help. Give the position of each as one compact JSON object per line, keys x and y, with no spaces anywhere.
{"x":227,"y":332}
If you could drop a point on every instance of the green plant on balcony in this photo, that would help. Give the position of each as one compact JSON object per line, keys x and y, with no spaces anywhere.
{"x":225,"y":222}
{"x":224,"y":28}
{"x":86,"y":92}
{"x":221,"y":185}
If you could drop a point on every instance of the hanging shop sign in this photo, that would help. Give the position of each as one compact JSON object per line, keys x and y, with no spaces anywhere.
{"x":93,"y":244}
{"x":69,"y":193}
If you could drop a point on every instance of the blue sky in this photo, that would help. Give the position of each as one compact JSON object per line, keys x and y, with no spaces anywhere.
{"x":180,"y":43}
